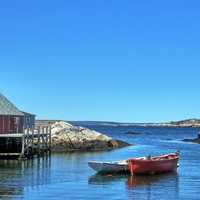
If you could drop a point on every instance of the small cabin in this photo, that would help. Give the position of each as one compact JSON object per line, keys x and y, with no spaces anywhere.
{"x":12,"y":120}
{"x":18,"y":136}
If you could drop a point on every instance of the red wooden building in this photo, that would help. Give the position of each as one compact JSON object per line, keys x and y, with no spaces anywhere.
{"x":12,"y":120}
{"x":18,"y":136}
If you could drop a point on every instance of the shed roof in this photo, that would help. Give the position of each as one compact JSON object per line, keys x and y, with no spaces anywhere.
{"x":27,"y":113}
{"x":8,"y":108}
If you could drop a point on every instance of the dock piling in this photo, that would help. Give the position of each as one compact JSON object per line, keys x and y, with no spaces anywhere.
{"x":26,"y":145}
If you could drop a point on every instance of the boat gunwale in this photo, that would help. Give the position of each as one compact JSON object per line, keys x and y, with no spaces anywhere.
{"x":108,"y":163}
{"x":162,"y":158}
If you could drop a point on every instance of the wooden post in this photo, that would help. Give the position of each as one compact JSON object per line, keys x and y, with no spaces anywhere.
{"x":22,"y":151}
{"x":27,"y":141}
{"x":50,"y":138}
{"x":43,"y":142}
{"x":32,"y":141}
{"x":38,"y":145}
{"x":46,"y":138}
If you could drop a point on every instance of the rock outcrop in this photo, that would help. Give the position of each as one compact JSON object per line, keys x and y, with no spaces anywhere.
{"x":186,"y":123}
{"x":195,"y":140}
{"x":66,"y":138}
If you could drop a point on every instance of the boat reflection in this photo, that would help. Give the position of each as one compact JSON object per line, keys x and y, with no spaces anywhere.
{"x":141,"y":180}
{"x":132,"y":182}
{"x":142,"y":187}
{"x":152,"y":187}
{"x":104,"y":179}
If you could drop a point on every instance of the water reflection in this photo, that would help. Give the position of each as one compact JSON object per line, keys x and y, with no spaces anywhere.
{"x":153,"y":187}
{"x":142,"y":187}
{"x":141,"y":180}
{"x":16,"y":175}
{"x":99,"y":179}
{"x":65,"y":176}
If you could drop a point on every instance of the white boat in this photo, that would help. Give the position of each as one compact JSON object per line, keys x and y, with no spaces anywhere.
{"x":109,"y":167}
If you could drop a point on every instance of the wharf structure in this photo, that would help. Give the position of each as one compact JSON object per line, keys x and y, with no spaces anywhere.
{"x":19,"y":137}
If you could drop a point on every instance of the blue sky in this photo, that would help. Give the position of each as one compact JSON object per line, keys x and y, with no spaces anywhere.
{"x":128,"y":61}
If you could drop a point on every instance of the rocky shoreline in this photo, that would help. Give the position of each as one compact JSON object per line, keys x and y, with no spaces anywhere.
{"x":96,"y":145}
{"x":69,"y":138}
{"x":194,"y":140}
{"x":188,"y":123}
{"x":195,"y":123}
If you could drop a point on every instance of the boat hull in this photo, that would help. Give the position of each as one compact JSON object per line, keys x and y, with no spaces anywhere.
{"x":108,"y":167}
{"x":156,"y":165}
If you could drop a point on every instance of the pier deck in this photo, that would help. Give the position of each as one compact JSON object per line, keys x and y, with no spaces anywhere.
{"x":26,"y":145}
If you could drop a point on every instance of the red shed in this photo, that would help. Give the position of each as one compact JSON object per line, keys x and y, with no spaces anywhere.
{"x":12,"y":120}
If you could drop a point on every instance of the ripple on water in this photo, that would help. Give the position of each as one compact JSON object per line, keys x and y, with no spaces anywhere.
{"x":67,"y":176}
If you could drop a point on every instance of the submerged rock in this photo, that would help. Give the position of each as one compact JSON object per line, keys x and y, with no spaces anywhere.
{"x":66,"y":137}
{"x":132,"y":133}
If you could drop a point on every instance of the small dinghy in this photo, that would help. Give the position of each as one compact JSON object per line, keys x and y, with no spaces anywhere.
{"x":154,"y":165}
{"x":109,"y":167}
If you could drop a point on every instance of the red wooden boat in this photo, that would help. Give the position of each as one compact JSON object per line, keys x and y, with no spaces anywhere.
{"x":154,"y":165}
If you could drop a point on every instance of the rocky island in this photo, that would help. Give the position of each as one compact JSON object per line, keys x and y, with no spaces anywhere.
{"x":69,"y":138}
{"x":186,"y":123}
{"x":177,"y":124}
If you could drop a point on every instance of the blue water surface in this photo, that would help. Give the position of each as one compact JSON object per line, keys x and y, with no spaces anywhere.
{"x":67,"y":176}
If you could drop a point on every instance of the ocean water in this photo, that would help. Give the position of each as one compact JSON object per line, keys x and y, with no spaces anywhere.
{"x":67,"y":176}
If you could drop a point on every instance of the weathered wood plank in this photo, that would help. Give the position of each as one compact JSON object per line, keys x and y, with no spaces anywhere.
{"x":13,"y":135}
{"x":10,"y":154}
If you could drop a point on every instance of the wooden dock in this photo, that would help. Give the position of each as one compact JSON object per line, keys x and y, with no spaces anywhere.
{"x":26,"y":145}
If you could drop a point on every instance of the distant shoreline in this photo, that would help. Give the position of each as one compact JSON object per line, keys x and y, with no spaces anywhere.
{"x":193,"y":123}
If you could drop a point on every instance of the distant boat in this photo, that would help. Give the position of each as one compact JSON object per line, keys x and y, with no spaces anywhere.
{"x":109,"y":167}
{"x":154,"y":165}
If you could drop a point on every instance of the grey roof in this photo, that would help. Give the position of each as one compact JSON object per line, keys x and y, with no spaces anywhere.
{"x":8,"y":108}
{"x":26,"y":113}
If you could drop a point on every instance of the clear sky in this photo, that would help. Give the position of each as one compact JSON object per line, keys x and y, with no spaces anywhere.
{"x":128,"y":61}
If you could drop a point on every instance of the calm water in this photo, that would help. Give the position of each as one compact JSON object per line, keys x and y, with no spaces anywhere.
{"x":67,"y":176}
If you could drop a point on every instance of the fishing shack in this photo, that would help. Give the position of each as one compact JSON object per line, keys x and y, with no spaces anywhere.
{"x":18,"y":134}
